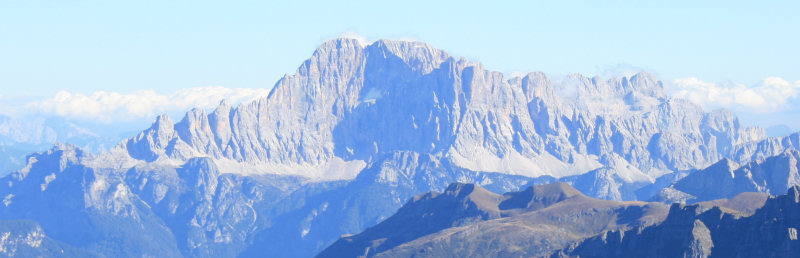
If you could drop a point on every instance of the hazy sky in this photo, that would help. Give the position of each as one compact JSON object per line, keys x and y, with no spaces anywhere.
{"x":88,"y":46}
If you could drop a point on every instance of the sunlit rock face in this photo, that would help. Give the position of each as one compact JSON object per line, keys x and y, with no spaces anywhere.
{"x":351,"y":136}
{"x":350,"y":104}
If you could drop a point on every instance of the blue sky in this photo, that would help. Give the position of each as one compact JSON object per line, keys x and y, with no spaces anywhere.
{"x":88,"y":46}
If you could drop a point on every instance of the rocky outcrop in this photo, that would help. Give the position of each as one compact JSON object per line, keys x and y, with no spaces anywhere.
{"x":679,"y":235}
{"x":726,"y":179}
{"x":695,"y":231}
{"x":538,"y":197}
{"x":22,"y":238}
{"x":350,"y":102}
{"x":358,"y":130}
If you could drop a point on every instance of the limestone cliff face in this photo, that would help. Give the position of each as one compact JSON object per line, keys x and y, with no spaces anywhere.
{"x":356,"y":103}
{"x":340,"y":145}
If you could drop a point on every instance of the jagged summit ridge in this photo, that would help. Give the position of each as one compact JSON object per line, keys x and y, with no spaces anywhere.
{"x":351,"y":103}
{"x":393,"y":119}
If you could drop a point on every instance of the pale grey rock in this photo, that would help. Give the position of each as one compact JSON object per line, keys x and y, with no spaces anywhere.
{"x":357,"y":130}
{"x":20,"y":136}
{"x":354,"y":103}
{"x":22,"y":238}
{"x":86,"y":208}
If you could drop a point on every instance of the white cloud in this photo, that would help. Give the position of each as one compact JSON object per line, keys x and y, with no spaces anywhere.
{"x":113,"y":106}
{"x":513,"y":74}
{"x":621,"y":70}
{"x":365,"y":41}
{"x":354,"y":35}
{"x":773,"y":94}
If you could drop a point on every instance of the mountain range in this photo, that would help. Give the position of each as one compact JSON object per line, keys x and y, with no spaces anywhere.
{"x":556,"y":220}
{"x":469,"y":221}
{"x":26,"y":134}
{"x":340,"y":145}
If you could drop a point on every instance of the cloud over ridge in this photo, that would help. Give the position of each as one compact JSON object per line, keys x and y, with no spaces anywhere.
{"x":108,"y":106}
{"x":773,"y":94}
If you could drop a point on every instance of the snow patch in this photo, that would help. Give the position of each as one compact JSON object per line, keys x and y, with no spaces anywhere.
{"x":515,"y":163}
{"x":334,"y":169}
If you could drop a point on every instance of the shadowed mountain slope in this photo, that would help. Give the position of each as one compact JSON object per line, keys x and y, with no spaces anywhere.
{"x":726,"y":179}
{"x":467,"y":220}
{"x":695,"y":231}
{"x":356,"y":131}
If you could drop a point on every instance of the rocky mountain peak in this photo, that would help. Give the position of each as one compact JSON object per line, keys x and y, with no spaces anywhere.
{"x":351,"y":102}
{"x":336,"y":49}
{"x":460,"y":190}
{"x":539,"y":196}
{"x":418,"y":56}
{"x":648,"y":84}
{"x":537,"y":85}
{"x":61,"y":156}
{"x":482,"y":198}
{"x":381,"y":123}
{"x":162,"y":123}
